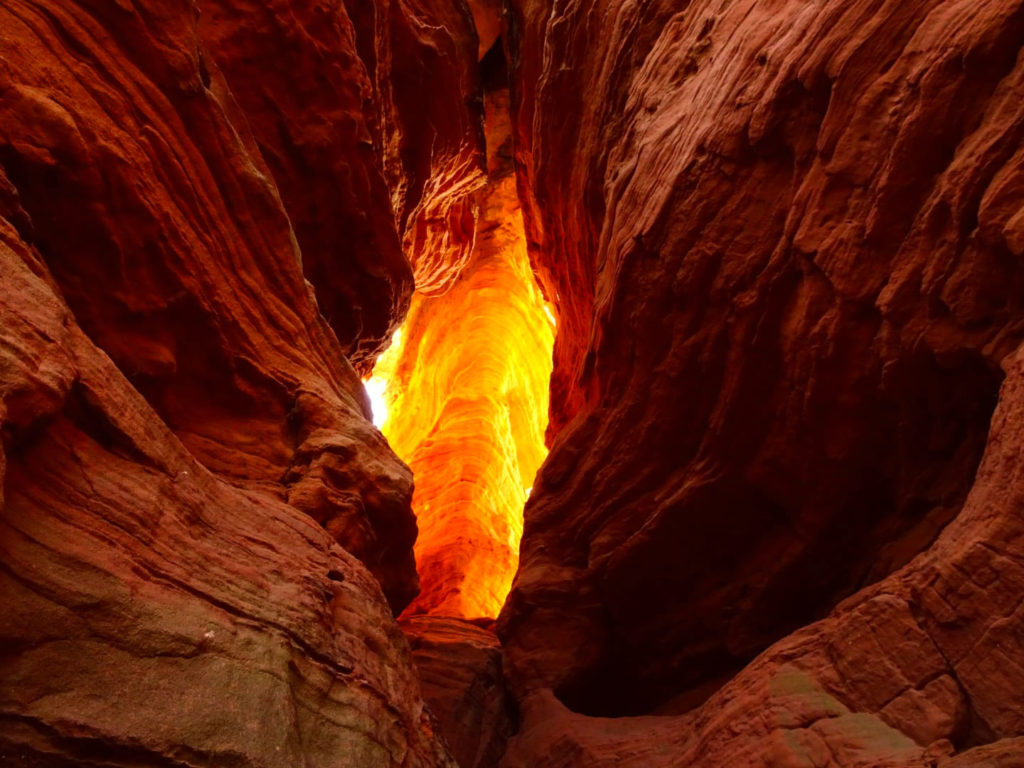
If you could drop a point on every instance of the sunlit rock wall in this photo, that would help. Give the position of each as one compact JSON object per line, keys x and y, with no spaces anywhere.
{"x":467,"y":404}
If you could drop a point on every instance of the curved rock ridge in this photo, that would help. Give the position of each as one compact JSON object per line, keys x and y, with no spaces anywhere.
{"x":467,"y":403}
{"x":157,"y":217}
{"x":784,"y":240}
{"x":152,"y":612}
{"x":172,"y":399}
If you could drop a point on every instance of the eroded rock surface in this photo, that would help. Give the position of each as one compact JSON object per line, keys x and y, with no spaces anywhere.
{"x":154,"y":613}
{"x":921,"y":669}
{"x":784,"y":239}
{"x":468,"y":401}
{"x":185,"y":444}
{"x":460,"y":666}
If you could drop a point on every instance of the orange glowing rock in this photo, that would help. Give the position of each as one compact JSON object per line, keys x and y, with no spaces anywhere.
{"x":467,"y":402}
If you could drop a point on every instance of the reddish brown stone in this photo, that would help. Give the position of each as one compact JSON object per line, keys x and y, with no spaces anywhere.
{"x":782,"y":522}
{"x":153,"y":613}
{"x":784,"y":241}
{"x":153,"y":209}
{"x":904,"y":673}
{"x":460,"y":667}
{"x":168,"y":385}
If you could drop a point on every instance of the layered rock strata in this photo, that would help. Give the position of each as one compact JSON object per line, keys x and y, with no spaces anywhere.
{"x":467,"y":401}
{"x":185,"y":444}
{"x":368,"y":116}
{"x":460,"y":667}
{"x":784,"y":240}
{"x":920,"y":670}
{"x":152,"y":612}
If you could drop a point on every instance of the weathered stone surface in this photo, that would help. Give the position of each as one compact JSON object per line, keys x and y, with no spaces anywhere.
{"x":356,"y":110}
{"x":153,"y":210}
{"x":152,"y":613}
{"x":904,"y":673}
{"x":296,"y":72}
{"x":460,"y":668}
{"x":784,"y":239}
{"x":467,"y":392}
{"x":172,"y":402}
{"x":421,"y":54}
{"x":782,"y":523}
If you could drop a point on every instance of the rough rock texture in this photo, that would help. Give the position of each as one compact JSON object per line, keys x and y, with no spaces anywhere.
{"x":172,"y":400}
{"x":904,"y":673}
{"x":158,"y":219}
{"x":420,"y":57}
{"x":468,"y":400}
{"x":355,"y":110}
{"x":308,"y":97}
{"x":785,"y":241}
{"x":152,"y":613}
{"x":460,"y":667}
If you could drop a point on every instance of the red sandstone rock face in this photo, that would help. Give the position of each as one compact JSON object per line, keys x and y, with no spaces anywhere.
{"x":158,"y":219}
{"x":308,"y":97}
{"x":784,"y":240}
{"x":369,"y":119}
{"x":420,"y":56}
{"x":172,"y":400}
{"x":152,"y":612}
{"x":904,"y":673}
{"x":460,"y":668}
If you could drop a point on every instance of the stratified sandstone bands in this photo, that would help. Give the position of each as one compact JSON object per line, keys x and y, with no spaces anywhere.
{"x":782,"y":520}
{"x":152,"y":613}
{"x":460,"y":668}
{"x":903,"y":674}
{"x":420,"y":54}
{"x":295,"y":70}
{"x":154,"y":212}
{"x":173,"y":400}
{"x":785,"y":243}
{"x":467,"y":404}
{"x":369,"y":119}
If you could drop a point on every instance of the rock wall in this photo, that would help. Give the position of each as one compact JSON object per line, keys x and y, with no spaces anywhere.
{"x":185,"y":444}
{"x":781,"y":519}
{"x":467,"y":392}
{"x":364,"y":112}
{"x":460,"y":667}
{"x":784,"y":240}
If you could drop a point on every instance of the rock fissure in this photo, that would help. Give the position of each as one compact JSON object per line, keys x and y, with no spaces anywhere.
{"x":698,"y":331}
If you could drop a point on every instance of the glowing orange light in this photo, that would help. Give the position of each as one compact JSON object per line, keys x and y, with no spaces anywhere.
{"x":467,"y":398}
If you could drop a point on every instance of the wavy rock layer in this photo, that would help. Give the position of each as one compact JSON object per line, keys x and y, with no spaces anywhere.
{"x":467,"y":404}
{"x":784,"y":239}
{"x":357,"y":137}
{"x":153,"y":613}
{"x":172,"y":400}
{"x":460,"y":667}
{"x":920,"y":670}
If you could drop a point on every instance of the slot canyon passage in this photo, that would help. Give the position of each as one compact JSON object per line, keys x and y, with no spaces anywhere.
{"x":699,"y":328}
